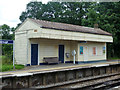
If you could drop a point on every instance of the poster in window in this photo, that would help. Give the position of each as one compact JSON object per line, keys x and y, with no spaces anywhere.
{"x":81,"y":50}
{"x":94,"y":50}
{"x":103,"y":49}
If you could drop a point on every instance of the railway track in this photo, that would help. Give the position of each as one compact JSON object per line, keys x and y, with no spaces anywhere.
{"x":102,"y":82}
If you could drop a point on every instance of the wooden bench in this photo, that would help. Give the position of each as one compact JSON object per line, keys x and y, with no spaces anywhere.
{"x":51,"y":60}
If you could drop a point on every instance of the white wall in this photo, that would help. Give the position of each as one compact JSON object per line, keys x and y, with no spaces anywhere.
{"x":99,"y":52}
{"x":67,"y":35}
{"x":21,"y":49}
{"x":49,"y":48}
{"x":27,"y":25}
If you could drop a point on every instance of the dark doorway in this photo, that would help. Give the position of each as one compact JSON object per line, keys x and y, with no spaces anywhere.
{"x":61,"y":53}
{"x":34,"y":54}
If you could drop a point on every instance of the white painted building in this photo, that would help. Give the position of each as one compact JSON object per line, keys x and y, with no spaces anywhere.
{"x":36,"y":39}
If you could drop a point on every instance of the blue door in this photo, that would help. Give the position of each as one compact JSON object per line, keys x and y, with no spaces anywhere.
{"x":61,"y":53}
{"x":34,"y":54}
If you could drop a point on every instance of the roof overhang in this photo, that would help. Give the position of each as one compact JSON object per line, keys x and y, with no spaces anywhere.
{"x":67,"y":35}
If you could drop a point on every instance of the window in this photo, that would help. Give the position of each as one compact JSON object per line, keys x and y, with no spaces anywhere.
{"x":103,"y":50}
{"x":81,"y":50}
{"x":94,"y":50}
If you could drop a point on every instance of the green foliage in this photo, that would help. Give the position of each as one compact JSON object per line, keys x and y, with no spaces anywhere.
{"x":113,"y":58}
{"x":66,"y":12}
{"x":6,"y":60}
{"x":110,"y":21}
{"x":7,"y":67}
{"x":7,"y":50}
{"x":7,"y":33}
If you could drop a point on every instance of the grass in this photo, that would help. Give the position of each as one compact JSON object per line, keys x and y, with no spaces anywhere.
{"x":7,"y":65}
{"x":114,"y":58}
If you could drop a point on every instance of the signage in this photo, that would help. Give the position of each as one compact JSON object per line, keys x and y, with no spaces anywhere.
{"x":82,"y":41}
{"x":6,"y":41}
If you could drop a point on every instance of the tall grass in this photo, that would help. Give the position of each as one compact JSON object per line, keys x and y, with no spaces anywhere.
{"x":7,"y":64}
{"x":6,"y":60}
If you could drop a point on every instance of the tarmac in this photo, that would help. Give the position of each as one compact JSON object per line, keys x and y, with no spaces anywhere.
{"x":48,"y":68}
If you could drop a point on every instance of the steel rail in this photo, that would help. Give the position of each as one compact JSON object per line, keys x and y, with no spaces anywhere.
{"x":69,"y":84}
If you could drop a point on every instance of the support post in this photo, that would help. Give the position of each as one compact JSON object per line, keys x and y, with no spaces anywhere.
{"x":13,"y":55}
{"x":73,"y":53}
{"x":74,"y":59}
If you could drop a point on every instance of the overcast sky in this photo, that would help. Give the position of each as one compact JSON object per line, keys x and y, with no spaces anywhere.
{"x":10,"y":10}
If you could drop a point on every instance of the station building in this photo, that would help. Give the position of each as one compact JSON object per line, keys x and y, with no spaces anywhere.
{"x":36,"y":39}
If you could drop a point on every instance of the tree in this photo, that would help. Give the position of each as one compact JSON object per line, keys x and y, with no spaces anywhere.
{"x":91,"y":17}
{"x":110,"y":21}
{"x":7,"y":33}
{"x":65,"y":12}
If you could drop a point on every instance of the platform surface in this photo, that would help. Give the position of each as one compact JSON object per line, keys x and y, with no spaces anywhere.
{"x":48,"y":68}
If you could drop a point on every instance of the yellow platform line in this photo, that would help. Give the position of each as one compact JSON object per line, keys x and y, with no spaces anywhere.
{"x":57,"y":68}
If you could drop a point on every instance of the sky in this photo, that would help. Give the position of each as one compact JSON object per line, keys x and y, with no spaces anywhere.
{"x":10,"y":10}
